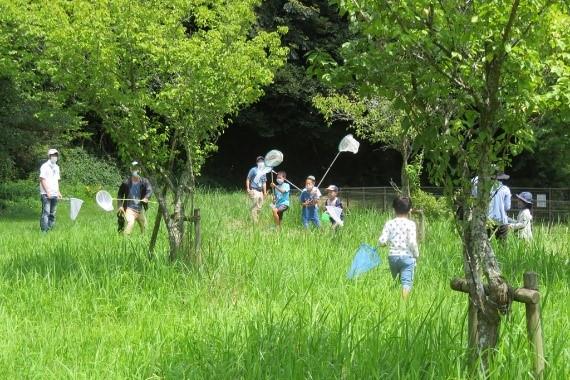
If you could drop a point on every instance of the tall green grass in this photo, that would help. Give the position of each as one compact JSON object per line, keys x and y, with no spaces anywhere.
{"x":83,"y":302}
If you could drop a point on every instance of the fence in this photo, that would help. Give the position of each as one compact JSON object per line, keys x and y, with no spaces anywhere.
{"x":550,"y":204}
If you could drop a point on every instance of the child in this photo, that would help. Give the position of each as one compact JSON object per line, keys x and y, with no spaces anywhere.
{"x":334,"y":201}
{"x":309,"y":200}
{"x":523,"y":224}
{"x":281,"y":191}
{"x":400,"y":235}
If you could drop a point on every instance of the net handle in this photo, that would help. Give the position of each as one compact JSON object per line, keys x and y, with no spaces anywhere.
{"x":327,"y":172}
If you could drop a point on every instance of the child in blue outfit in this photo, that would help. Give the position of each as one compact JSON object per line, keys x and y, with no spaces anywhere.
{"x":399,"y":234}
{"x":281,"y":193}
{"x":309,"y":201}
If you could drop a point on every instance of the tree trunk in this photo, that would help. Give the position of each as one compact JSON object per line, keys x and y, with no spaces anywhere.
{"x":481,"y":264}
{"x":404,"y":177}
{"x":174,"y":223}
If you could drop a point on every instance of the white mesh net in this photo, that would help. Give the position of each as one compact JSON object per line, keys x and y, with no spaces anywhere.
{"x":273,"y":158}
{"x":335,"y":213}
{"x":74,"y":207}
{"x":104,"y":200}
{"x":348,"y":144}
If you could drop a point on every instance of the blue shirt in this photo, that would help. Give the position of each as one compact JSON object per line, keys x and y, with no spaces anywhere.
{"x":135,"y":193}
{"x":305,"y":196}
{"x":500,"y":203}
{"x":282,"y":197}
{"x":253,"y":184}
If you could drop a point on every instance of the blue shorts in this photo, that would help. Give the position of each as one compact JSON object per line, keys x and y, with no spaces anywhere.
{"x":403,"y":266}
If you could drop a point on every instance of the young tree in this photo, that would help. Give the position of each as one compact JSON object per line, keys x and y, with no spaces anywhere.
{"x":165,"y":77}
{"x":33,"y":114}
{"x":376,"y":120}
{"x":474,"y":72}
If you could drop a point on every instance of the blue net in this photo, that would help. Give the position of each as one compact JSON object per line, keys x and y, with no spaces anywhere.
{"x":366,"y":258}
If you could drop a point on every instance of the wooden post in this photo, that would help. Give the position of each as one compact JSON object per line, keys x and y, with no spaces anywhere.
{"x":472,"y":336}
{"x":197,"y":237}
{"x":154,"y":234}
{"x":533,"y":325}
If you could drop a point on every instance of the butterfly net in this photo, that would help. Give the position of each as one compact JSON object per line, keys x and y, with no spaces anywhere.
{"x":104,"y":200}
{"x":348,"y":144}
{"x":366,"y":258}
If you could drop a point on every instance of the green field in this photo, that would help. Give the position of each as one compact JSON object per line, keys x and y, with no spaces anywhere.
{"x":84,"y":303}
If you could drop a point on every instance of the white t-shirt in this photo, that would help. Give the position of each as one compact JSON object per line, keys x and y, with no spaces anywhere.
{"x":524,"y":224}
{"x":49,"y":172}
{"x":400,"y":235}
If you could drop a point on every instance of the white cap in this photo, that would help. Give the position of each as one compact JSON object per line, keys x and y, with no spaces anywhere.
{"x":52,"y":152}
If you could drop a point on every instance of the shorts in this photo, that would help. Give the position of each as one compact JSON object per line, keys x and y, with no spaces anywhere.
{"x":280,"y":210}
{"x":403,"y":266}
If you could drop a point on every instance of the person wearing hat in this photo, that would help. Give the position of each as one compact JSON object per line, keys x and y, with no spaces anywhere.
{"x":256,"y":187}
{"x":499,"y":204}
{"x":523,"y":224}
{"x":132,"y":200}
{"x":49,"y":190}
{"x":334,"y":201}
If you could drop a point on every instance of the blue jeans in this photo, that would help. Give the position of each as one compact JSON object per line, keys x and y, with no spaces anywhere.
{"x":310,"y":214}
{"x":47,"y":220}
{"x":403,"y":266}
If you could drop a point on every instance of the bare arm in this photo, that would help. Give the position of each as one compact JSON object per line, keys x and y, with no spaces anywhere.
{"x":43,"y":184}
{"x":247,"y":185}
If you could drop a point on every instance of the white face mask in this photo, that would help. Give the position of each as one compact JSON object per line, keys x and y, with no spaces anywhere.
{"x":135,"y":173}
{"x":53,"y":159}
{"x":309,"y":188}
{"x":260,"y":165}
{"x":280,"y":181}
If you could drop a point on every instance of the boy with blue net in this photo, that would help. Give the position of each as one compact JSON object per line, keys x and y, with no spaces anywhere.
{"x":399,"y":234}
{"x":309,"y":201}
{"x":281,"y":192}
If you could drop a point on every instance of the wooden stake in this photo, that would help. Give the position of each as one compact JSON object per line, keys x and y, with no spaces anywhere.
{"x":521,"y":294}
{"x":472,"y":335}
{"x":197,"y":237}
{"x":533,"y":325}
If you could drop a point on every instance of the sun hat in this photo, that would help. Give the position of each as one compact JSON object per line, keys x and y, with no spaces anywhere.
{"x":52,"y":151}
{"x":526,"y":197}
{"x":332,"y":188}
{"x":502,"y":176}
{"x":134,"y":164}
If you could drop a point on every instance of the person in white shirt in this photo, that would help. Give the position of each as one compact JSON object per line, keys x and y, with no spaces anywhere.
{"x":49,"y":190}
{"x":399,"y":234}
{"x":523,"y":224}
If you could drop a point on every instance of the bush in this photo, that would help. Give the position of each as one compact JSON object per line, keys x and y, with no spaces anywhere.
{"x":432,"y":206}
{"x":81,"y":168}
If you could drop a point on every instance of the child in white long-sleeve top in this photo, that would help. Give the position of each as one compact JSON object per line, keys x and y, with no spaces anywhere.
{"x":399,"y":234}
{"x":523,"y":224}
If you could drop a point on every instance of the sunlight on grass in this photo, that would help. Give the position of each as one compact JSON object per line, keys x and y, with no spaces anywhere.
{"x":82,"y":302}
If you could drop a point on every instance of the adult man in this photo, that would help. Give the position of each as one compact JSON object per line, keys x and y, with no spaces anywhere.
{"x":132,"y":199}
{"x":49,"y":190}
{"x":499,"y":204}
{"x":256,"y":187}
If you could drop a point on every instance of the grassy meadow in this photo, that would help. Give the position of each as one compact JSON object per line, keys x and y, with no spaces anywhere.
{"x":82,"y":302}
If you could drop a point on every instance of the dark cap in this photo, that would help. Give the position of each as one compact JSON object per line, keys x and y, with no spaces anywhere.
{"x":259,"y":158}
